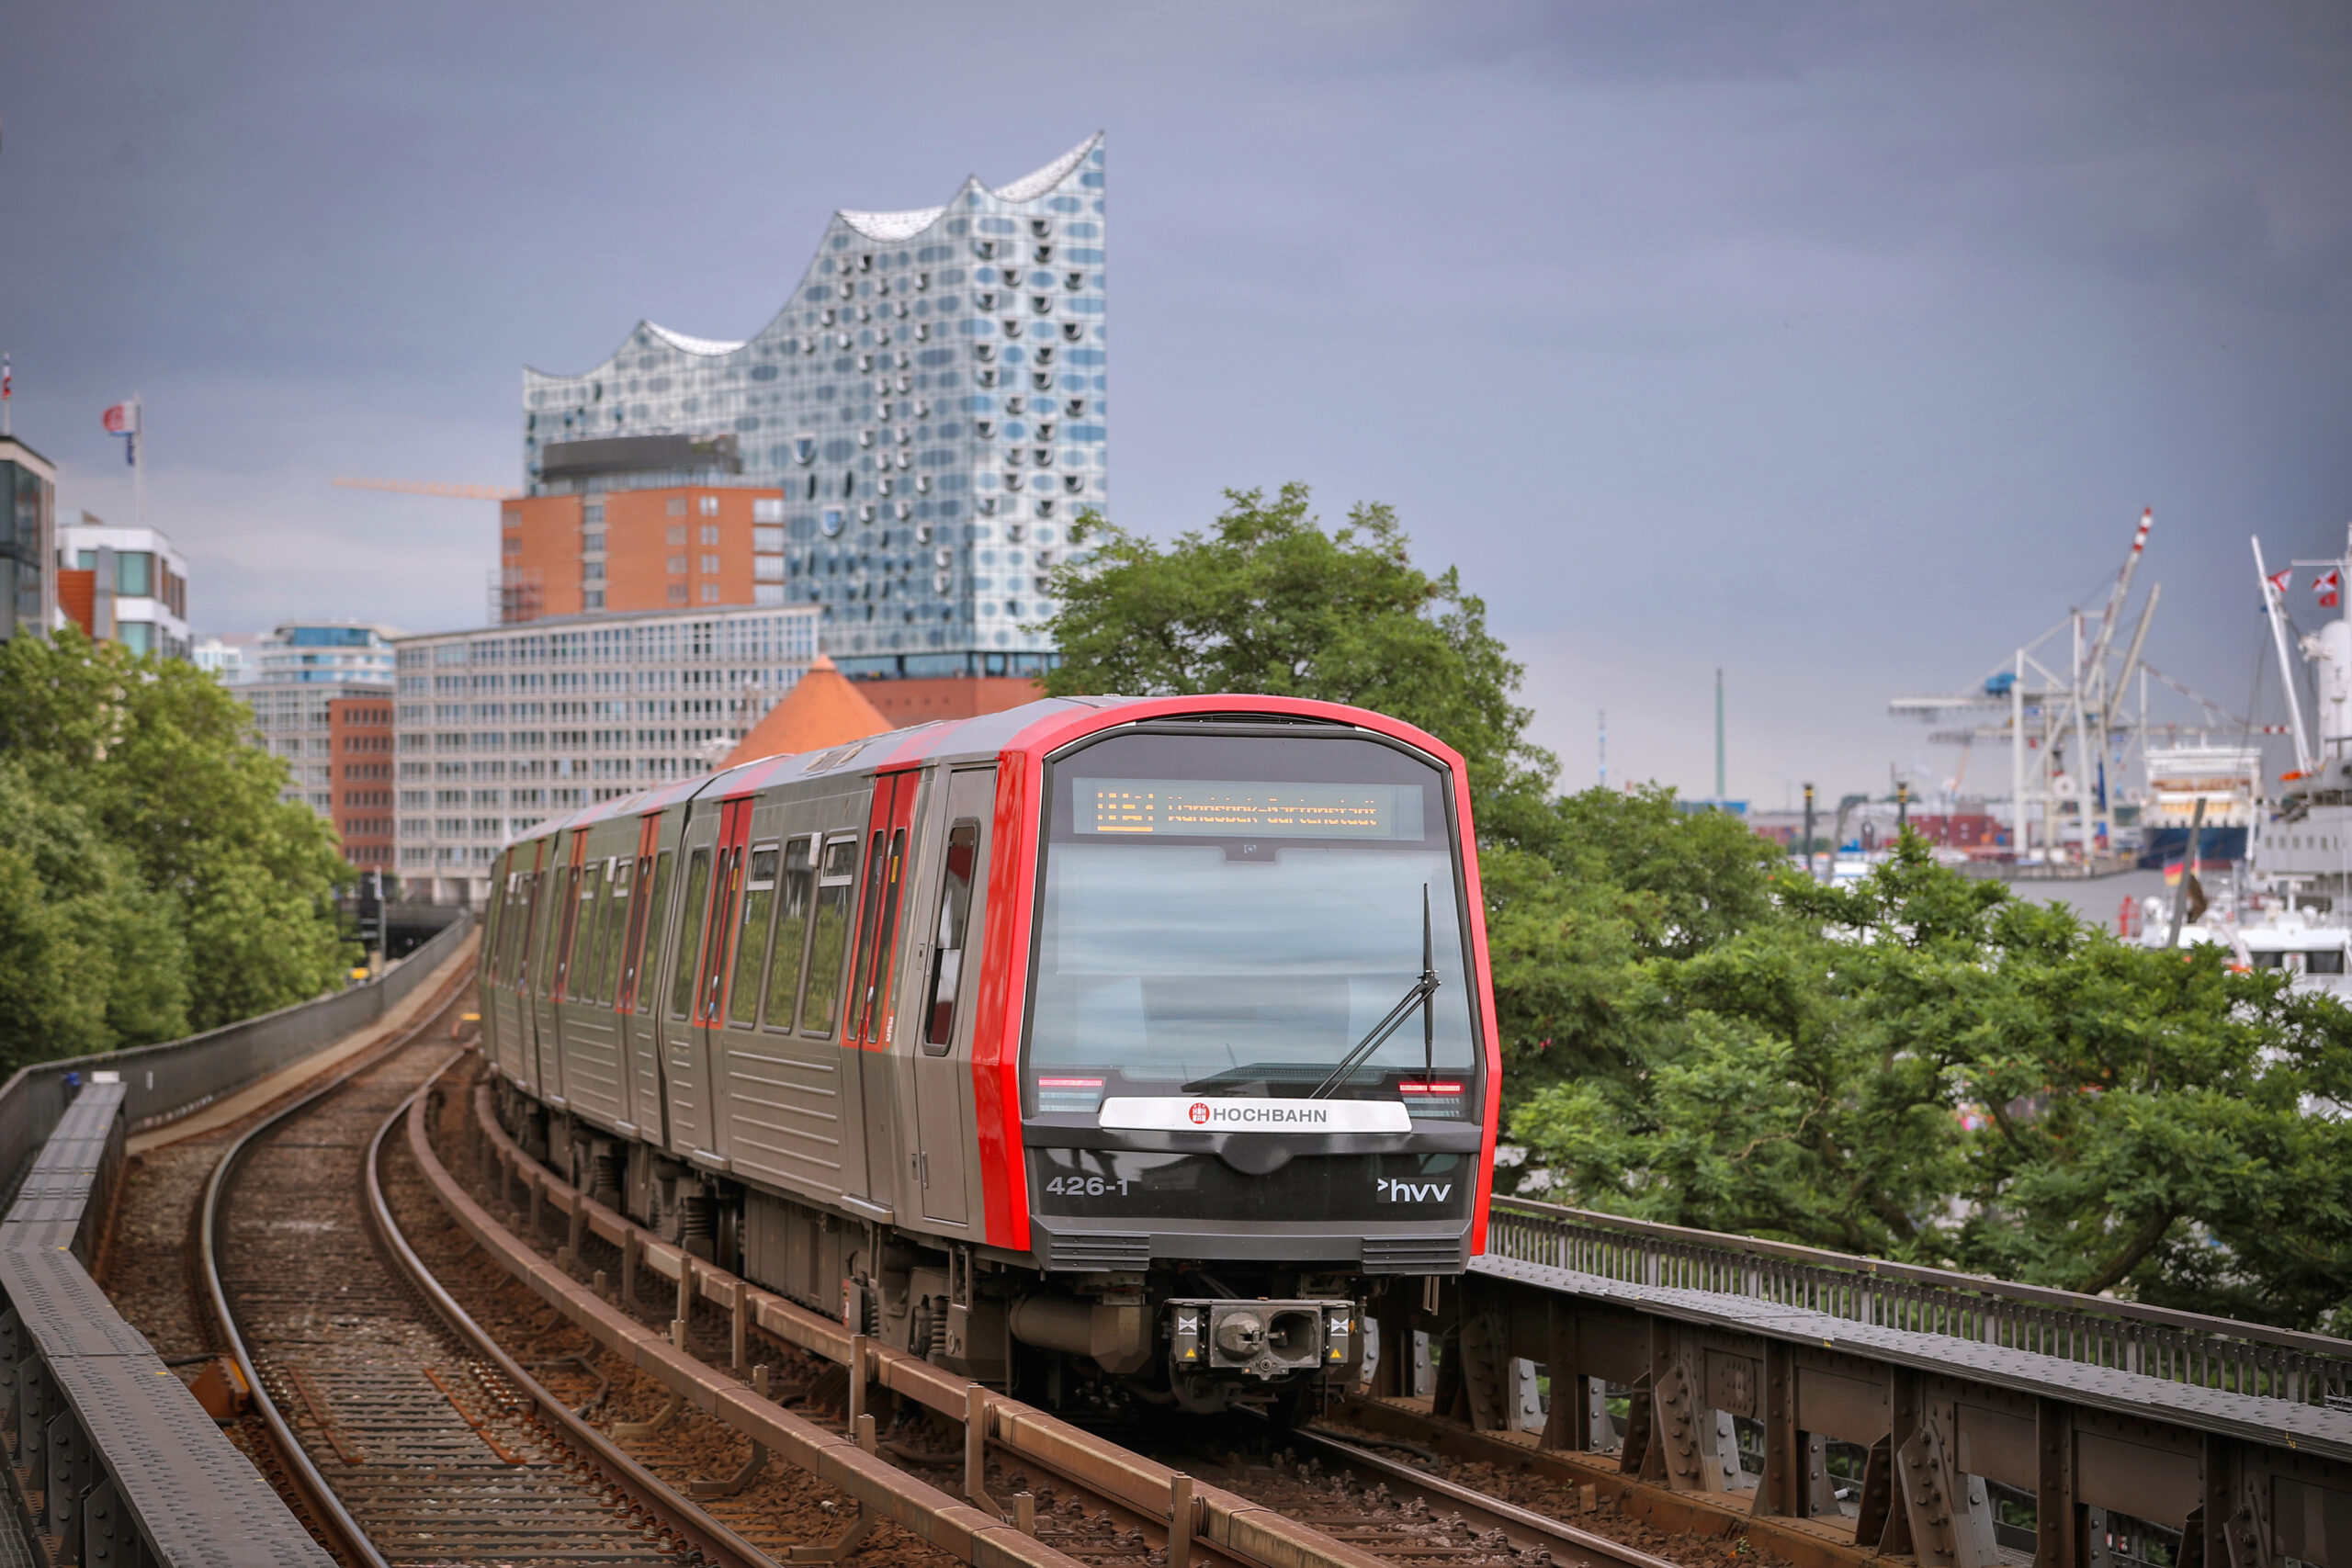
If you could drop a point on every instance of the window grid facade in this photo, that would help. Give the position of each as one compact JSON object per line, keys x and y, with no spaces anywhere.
{"x":499,"y":728}
{"x":931,"y":407}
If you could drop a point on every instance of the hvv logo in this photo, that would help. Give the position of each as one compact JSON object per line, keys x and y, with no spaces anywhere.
{"x":1414,"y":1191}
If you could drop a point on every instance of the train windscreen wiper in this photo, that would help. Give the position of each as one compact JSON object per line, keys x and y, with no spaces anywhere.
{"x":1421,"y":995}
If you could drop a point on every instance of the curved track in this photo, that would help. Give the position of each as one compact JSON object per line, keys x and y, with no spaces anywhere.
{"x":411,"y":1439}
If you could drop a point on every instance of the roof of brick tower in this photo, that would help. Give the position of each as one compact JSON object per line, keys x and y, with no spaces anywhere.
{"x":824,"y":708}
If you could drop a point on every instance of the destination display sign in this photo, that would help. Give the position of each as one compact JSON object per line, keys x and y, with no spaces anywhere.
{"x":1245,"y":809}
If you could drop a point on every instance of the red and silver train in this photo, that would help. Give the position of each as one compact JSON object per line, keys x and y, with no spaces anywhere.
{"x":1108,"y":1036}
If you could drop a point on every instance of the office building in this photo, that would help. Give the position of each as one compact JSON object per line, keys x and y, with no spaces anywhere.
{"x":27,"y":540}
{"x":321,"y":697}
{"x":125,"y":585}
{"x":900,"y":450}
{"x":500,"y":727}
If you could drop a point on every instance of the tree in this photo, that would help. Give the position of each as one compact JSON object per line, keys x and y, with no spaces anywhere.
{"x":1922,"y":1067}
{"x":154,"y":754}
{"x":89,"y":958}
{"x":1267,"y":602}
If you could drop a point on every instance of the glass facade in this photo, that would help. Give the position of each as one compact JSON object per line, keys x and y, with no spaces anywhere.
{"x":27,"y":526}
{"x":498,"y":729}
{"x":323,"y":653}
{"x":930,"y":403}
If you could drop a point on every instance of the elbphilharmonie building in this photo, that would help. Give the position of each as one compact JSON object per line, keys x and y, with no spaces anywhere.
{"x":923,"y":419}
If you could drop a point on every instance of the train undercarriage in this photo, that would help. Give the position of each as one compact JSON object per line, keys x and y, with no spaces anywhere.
{"x":1199,"y":1337}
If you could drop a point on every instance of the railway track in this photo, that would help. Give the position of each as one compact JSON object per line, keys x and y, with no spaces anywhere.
{"x":1077,"y":1493}
{"x":408,"y":1439}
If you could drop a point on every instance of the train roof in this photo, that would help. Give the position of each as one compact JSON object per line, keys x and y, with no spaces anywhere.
{"x":1032,"y":728}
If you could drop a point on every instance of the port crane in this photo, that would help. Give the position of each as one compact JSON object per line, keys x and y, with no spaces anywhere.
{"x":2057,"y":704}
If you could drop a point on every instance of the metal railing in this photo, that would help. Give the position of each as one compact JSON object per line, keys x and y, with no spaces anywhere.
{"x":2179,"y":1347}
{"x":177,"y":1078}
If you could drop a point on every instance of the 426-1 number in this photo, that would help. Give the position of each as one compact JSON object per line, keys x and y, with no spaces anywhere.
{"x":1085,"y":1186}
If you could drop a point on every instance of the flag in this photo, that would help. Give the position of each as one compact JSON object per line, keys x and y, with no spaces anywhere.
{"x":2329,"y":583}
{"x":122,"y":419}
{"x":8,"y":379}
{"x":2281,"y":579}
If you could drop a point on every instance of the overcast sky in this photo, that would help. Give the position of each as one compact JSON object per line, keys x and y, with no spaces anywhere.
{"x":1838,"y":345}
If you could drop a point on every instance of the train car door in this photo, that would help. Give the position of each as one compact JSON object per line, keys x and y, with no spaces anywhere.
{"x":948,"y":916}
{"x":641,"y":1108}
{"x":522,"y":970}
{"x":685,"y":1090}
{"x":727,"y":892}
{"x":873,"y":1021}
{"x":556,"y":878}
{"x":580,"y":883}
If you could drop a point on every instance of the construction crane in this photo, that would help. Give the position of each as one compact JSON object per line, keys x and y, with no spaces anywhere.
{"x":424,"y":487}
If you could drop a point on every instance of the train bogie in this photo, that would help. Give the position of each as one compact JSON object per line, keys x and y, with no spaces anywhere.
{"x":1120,"y":1037}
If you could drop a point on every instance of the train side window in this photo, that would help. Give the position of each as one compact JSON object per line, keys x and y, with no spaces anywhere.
{"x":654,"y":911}
{"x":556,"y":898}
{"x":955,"y":915}
{"x":791,"y":932}
{"x":828,"y":936}
{"x":587,"y":937}
{"x":683,"y":974}
{"x":608,"y":969}
{"x":751,"y":941}
{"x":728,"y":873}
{"x":861,"y":995}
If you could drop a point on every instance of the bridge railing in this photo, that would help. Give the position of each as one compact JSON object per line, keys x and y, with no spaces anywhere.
{"x":177,"y":1078}
{"x":2223,"y":1354}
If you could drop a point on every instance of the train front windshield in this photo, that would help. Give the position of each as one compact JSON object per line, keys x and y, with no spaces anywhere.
{"x":1235,"y":916}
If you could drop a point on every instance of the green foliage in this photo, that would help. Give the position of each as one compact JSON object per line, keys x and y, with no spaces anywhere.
{"x":1267,"y":602}
{"x":156,"y":808}
{"x":88,"y":957}
{"x":1921,"y":1067}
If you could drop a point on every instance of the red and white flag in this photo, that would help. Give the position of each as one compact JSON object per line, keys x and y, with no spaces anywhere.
{"x":122,"y":419}
{"x":2281,"y":579}
{"x":2330,"y":584}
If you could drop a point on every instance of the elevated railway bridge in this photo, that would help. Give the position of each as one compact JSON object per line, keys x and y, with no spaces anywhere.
{"x":391,"y":1278}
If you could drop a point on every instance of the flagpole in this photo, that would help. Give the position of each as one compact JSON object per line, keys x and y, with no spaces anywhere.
{"x":138,"y":460}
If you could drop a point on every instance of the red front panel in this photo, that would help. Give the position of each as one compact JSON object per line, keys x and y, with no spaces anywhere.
{"x":1013,"y":882}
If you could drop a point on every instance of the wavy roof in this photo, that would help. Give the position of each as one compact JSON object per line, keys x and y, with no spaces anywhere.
{"x":692,"y":344}
{"x":906,"y":225}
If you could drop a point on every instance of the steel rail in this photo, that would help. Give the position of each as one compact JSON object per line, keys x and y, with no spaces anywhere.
{"x":1526,"y":1527}
{"x":924,"y":1510}
{"x":326,"y":1509}
{"x":692,"y":1523}
{"x":1136,"y":1488}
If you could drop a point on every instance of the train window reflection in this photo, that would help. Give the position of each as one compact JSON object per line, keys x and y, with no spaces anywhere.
{"x":752,"y":942}
{"x":791,"y":933}
{"x":681,"y":973}
{"x":829,"y":940}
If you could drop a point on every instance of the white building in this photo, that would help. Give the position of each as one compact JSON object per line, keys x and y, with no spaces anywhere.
{"x":500,"y":727}
{"x":125,"y":585}
{"x":223,"y":658}
{"x":323,"y":653}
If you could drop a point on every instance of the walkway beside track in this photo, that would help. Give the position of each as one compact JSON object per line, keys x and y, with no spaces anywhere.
{"x":119,"y":1446}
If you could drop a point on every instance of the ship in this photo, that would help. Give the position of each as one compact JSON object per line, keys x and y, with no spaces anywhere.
{"x":2225,"y":780}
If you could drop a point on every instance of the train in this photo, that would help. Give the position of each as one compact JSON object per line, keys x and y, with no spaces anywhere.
{"x":1102,"y":1046}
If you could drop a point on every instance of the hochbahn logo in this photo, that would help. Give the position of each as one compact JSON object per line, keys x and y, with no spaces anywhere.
{"x":1249,"y":1113}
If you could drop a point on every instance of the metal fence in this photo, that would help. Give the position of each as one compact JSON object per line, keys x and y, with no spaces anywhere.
{"x":177,"y":1078}
{"x":2180,"y":1346}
